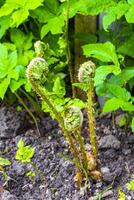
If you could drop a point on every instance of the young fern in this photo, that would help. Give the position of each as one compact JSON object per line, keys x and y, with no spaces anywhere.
{"x":73,"y":122}
{"x":70,"y":120}
{"x":37,"y":72}
{"x":86,"y":75}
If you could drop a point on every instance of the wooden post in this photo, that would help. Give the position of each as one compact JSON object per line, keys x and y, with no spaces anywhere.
{"x":86,"y":24}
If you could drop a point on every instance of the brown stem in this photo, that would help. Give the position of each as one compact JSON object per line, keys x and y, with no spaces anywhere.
{"x":90,"y":107}
{"x":80,"y":140}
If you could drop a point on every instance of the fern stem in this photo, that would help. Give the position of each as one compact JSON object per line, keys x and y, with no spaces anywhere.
{"x":90,"y":107}
{"x":80,"y":140}
{"x":68,"y":52}
{"x":60,"y":120}
{"x":29,"y":112}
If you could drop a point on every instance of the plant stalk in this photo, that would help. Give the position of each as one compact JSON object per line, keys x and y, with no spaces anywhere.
{"x":29,"y":112}
{"x":60,"y":120}
{"x":80,"y":140}
{"x":90,"y":107}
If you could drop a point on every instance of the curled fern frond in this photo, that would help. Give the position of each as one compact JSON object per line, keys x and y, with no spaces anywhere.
{"x":86,"y":72}
{"x":37,"y":71}
{"x":73,"y":118}
{"x":39,"y":48}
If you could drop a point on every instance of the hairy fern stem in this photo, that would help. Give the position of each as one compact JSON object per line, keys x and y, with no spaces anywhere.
{"x":90,"y":107}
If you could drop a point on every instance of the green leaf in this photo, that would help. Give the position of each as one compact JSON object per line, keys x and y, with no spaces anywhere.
{"x":127,"y":106}
{"x":12,"y":59}
{"x":102,"y":72}
{"x":3,"y":52}
{"x":24,"y":153}
{"x":122,"y":78}
{"x":8,"y":8}
{"x":42,"y":14}
{"x":55,"y":25}
{"x":53,"y":5}
{"x":102,"y":51}
{"x":121,"y":195}
{"x":44,"y":30}
{"x":14,"y":85}
{"x":3,"y":87}
{"x":59,"y":87}
{"x":114,"y":13}
{"x":112,"y":105}
{"x":127,"y":47}
{"x":4,"y":162}
{"x":30,"y":174}
{"x":4,"y":25}
{"x":119,"y":92}
{"x":130,"y":14}
{"x":132,"y":124}
{"x":20,"y":8}
{"x":82,"y":86}
{"x":78,"y":103}
{"x":130,"y":2}
{"x":19,"y":16}
{"x":130,"y":185}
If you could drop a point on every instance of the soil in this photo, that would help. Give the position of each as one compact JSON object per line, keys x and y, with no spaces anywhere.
{"x":53,"y":158}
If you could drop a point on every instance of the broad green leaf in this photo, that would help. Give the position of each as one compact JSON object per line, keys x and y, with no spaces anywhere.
{"x":3,"y":87}
{"x":12,"y":59}
{"x":4,"y":162}
{"x":130,"y":2}
{"x":3,"y":52}
{"x":18,"y":9}
{"x":127,"y":47}
{"x":130,"y":14}
{"x":122,"y":78}
{"x":112,"y":105}
{"x":44,"y":30}
{"x":119,"y":92}
{"x":31,"y":5}
{"x":102,"y":51}
{"x":102,"y":72}
{"x":4,"y":25}
{"x":19,"y":16}
{"x":53,"y":5}
{"x":13,"y":74}
{"x":17,"y":37}
{"x":14,"y":85}
{"x":127,"y":106}
{"x":114,"y":13}
{"x":42,"y":14}
{"x":8,"y":8}
{"x":55,"y":25}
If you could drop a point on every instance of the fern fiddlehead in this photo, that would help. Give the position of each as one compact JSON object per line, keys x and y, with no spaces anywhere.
{"x":86,"y":75}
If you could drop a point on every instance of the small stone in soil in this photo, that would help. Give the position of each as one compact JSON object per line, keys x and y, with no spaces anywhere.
{"x":109,"y":141}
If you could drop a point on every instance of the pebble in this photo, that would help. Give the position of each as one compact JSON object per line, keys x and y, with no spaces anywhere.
{"x":106,"y":174}
{"x":109,"y":141}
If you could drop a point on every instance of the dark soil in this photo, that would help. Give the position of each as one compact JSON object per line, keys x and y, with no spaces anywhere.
{"x":53,"y":158}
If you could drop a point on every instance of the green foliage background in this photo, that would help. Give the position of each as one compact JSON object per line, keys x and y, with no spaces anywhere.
{"x":24,"y":22}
